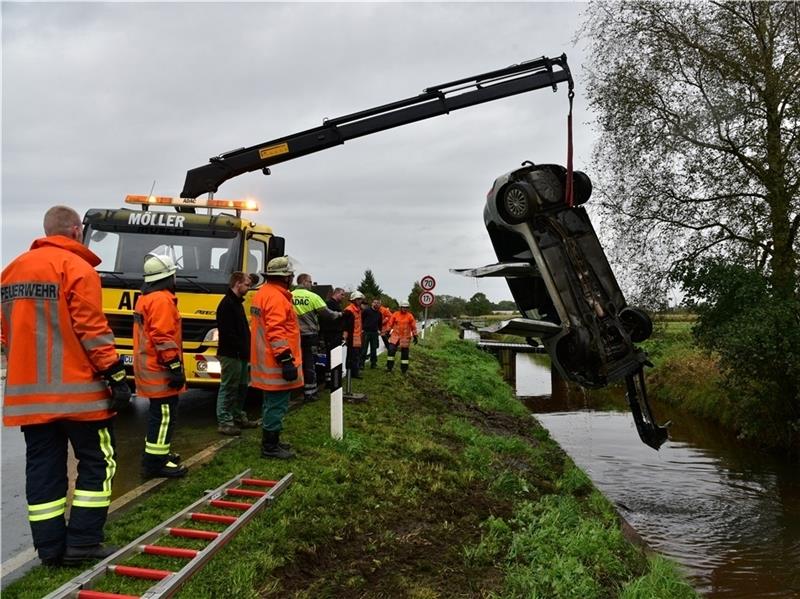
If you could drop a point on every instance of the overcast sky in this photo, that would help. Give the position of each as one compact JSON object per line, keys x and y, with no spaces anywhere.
{"x":100,"y":100}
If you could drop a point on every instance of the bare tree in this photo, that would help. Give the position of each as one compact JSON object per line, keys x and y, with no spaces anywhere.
{"x":698,"y":105}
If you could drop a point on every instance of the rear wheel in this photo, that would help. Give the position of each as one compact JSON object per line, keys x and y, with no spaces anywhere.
{"x":637,"y":323}
{"x":517,"y":202}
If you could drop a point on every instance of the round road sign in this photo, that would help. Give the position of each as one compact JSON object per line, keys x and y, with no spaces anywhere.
{"x":426,"y":299}
{"x":427,"y":283}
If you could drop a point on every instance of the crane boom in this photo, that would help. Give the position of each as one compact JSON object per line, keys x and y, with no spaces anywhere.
{"x":434,"y":101}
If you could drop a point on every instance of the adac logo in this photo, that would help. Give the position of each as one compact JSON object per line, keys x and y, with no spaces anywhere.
{"x":128,"y":300}
{"x":301,"y":301}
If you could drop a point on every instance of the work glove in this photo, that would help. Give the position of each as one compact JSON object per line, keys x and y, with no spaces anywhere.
{"x":416,"y":340}
{"x":177,"y":378}
{"x":120,"y":392}
{"x":288,"y":369}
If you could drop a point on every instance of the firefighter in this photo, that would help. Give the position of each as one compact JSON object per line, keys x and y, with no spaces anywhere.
{"x":352,"y":334}
{"x":386,"y":319}
{"x":61,"y":362}
{"x":309,"y":308}
{"x":403,"y":329}
{"x":275,"y":355}
{"x":158,"y":365}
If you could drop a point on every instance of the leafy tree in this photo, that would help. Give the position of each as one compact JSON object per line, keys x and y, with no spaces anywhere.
{"x":698,"y":105}
{"x":756,"y":335}
{"x":448,"y":306}
{"x":413,"y":298}
{"x":506,"y":305}
{"x":479,"y":305}
{"x":369,"y":287}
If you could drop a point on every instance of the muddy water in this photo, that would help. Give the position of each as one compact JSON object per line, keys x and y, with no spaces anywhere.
{"x":729,"y":514}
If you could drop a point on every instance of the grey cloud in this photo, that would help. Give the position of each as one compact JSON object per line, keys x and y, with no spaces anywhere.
{"x":99,"y":100}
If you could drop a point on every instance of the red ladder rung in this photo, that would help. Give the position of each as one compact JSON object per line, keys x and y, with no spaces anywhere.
{"x":135,"y":572}
{"x":88,"y":594}
{"x":169,"y":551}
{"x":230,"y":505}
{"x":245,"y":493}
{"x":190,"y":533}
{"x":219,"y":518}
{"x":256,"y":482}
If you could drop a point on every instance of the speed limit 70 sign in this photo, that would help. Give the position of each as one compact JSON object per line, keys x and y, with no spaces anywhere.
{"x":426,"y":299}
{"x":427,"y":283}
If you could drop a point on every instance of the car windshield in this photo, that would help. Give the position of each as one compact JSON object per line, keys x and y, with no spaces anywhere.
{"x":204,"y":257}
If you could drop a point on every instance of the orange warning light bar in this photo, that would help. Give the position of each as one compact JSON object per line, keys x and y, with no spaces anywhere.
{"x":247,"y":204}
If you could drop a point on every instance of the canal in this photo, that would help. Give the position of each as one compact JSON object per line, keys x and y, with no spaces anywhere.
{"x":727,"y":512}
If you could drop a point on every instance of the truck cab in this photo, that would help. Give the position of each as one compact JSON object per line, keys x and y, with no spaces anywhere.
{"x":207,"y":249}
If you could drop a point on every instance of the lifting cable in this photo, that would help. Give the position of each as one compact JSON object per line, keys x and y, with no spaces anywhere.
{"x":569,"y":191}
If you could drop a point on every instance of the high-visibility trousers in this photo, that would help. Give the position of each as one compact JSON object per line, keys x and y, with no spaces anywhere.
{"x":161,"y":420}
{"x":390,"y":357}
{"x":46,"y":483}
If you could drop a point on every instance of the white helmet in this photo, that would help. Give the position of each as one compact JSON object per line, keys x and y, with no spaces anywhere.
{"x":280,"y":267}
{"x":157,"y":267}
{"x":356,"y":295}
{"x":404,"y":304}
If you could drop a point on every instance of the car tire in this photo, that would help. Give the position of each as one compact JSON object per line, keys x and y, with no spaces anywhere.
{"x":516,"y":203}
{"x":637,"y":323}
{"x":581,"y":188}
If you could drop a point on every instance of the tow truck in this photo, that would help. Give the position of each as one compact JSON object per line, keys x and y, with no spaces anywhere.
{"x":206,"y":248}
{"x":606,"y":349}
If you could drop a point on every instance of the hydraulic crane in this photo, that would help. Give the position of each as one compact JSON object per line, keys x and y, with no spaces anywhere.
{"x":433,"y":101}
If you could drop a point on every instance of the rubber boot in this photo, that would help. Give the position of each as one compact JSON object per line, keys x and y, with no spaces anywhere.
{"x":270,"y":446}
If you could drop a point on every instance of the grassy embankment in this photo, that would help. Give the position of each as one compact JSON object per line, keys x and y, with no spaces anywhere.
{"x":686,"y":376}
{"x":443,"y":486}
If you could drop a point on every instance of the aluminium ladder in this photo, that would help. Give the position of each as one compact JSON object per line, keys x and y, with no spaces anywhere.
{"x":170,"y":581}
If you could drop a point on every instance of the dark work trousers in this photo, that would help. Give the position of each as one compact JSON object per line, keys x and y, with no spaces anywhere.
{"x":161,"y":420}
{"x":353,"y":360}
{"x":232,"y":390}
{"x":392,"y":349}
{"x":274,"y":405}
{"x":46,"y":483}
{"x":370,"y":347}
{"x":308,"y":347}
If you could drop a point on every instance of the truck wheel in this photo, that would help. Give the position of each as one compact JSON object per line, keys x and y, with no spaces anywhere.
{"x":637,"y":323}
{"x":517,"y":202}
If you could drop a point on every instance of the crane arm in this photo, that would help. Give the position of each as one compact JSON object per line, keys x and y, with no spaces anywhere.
{"x":433,"y":101}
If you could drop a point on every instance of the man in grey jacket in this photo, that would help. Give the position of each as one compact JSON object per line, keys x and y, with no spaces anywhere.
{"x":309,"y":308}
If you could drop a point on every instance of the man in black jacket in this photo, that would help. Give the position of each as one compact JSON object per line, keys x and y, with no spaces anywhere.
{"x":234,"y":356}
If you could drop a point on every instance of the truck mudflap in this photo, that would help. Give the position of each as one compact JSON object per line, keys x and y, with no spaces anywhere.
{"x":651,"y":433}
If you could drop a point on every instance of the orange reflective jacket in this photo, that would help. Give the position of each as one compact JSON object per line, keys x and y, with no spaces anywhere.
{"x":404,"y":327}
{"x":157,"y":341}
{"x":356,"y":332}
{"x":55,"y":335}
{"x":386,"y":319}
{"x":274,"y":331}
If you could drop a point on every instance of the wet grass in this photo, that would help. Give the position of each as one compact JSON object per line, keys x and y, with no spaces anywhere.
{"x":444,"y":486}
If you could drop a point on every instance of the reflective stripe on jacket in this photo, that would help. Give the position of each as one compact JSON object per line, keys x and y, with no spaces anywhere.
{"x":386,"y":319}
{"x":355,"y":331}
{"x":274,"y":331}
{"x":404,"y":327}
{"x":157,"y":341}
{"x":55,"y":335}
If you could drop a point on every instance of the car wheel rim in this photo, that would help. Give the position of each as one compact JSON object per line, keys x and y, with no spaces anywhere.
{"x":516,"y":203}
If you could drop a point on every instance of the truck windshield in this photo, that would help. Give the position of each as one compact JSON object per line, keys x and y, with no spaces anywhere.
{"x":204,"y":258}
